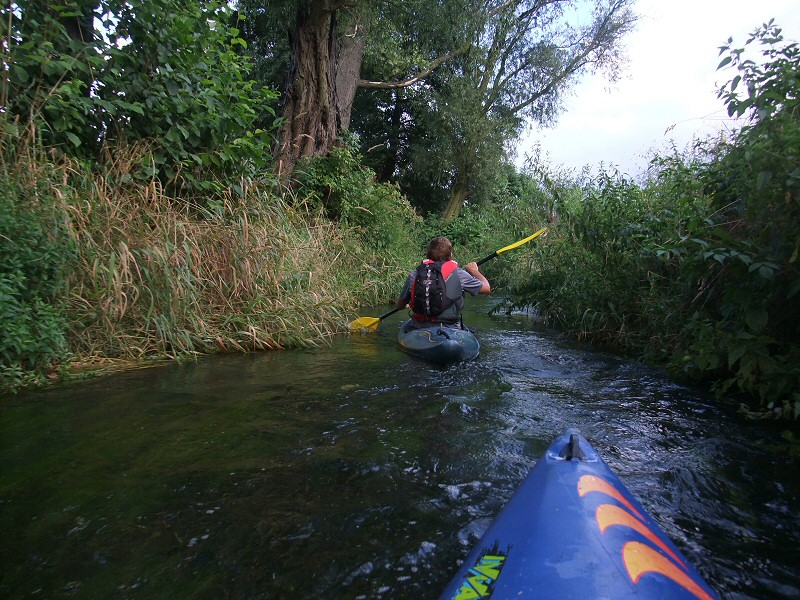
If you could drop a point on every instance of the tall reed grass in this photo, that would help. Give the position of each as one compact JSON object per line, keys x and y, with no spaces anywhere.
{"x":156,"y":276}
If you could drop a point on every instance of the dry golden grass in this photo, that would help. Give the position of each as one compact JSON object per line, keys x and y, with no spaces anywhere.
{"x":158,"y":276}
{"x":156,"y":279}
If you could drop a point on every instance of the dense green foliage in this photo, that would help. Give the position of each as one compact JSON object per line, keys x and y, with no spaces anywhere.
{"x":697,"y":269}
{"x":35,"y":253}
{"x":170,"y":77}
{"x":350,"y":193}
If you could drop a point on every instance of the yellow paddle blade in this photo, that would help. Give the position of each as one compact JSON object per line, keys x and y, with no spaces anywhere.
{"x":369,"y":323}
{"x":521,"y":242}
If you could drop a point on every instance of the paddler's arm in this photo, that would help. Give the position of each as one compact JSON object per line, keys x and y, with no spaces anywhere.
{"x":472,"y":269}
{"x":405,"y":296}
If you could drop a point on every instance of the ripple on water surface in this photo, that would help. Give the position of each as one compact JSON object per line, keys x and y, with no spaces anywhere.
{"x":356,"y":471}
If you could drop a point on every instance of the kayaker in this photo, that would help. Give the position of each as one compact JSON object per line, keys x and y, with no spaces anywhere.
{"x":435,"y":290}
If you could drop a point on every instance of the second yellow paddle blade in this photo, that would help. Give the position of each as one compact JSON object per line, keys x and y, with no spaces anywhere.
{"x":369,"y":323}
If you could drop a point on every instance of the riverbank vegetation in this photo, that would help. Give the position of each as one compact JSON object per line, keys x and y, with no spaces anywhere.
{"x":93,"y":269}
{"x":164,"y":200}
{"x":696,"y":268}
{"x":159,"y":205}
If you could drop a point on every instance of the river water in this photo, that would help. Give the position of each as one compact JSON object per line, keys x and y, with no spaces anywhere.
{"x":358,"y":472}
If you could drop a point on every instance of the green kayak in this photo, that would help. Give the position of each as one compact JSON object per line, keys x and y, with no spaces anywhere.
{"x":438,"y":344}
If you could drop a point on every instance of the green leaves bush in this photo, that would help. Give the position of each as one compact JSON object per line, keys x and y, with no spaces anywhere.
{"x":35,"y":249}
{"x":182,"y":81}
{"x":169,"y":75}
{"x":749,"y":249}
{"x":350,"y":193}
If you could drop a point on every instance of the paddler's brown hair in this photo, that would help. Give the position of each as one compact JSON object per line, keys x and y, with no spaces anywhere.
{"x":440,"y":248}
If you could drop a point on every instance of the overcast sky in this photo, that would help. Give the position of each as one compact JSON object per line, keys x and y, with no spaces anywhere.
{"x":668,"y":89}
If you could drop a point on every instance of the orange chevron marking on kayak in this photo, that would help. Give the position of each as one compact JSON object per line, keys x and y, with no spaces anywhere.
{"x":592,"y":483}
{"x":609,"y":515}
{"x":640,"y":559}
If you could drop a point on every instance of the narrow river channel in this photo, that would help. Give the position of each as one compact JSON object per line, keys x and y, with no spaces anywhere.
{"x":358,"y":472}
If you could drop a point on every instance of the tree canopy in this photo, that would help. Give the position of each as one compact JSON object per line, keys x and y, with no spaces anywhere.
{"x":444,"y":87}
{"x":438,"y":92}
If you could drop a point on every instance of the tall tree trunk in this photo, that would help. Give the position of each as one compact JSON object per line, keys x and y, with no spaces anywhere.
{"x":458,"y":195}
{"x":348,"y":75}
{"x":312,"y":119}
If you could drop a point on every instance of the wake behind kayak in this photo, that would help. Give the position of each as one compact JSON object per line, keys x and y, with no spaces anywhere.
{"x":573,"y":530}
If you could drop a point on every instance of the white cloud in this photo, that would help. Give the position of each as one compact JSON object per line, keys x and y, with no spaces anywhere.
{"x":667,"y":92}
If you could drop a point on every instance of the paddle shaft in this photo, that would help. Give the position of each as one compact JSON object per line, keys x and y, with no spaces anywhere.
{"x":390,"y":313}
{"x":512,"y":246}
{"x":487,"y":259}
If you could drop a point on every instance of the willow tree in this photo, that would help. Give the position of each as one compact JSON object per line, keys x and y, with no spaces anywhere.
{"x":486,"y":67}
{"x":524,"y":58}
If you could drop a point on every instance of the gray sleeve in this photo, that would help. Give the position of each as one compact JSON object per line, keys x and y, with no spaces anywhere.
{"x":406,"y":293}
{"x":470,"y":284}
